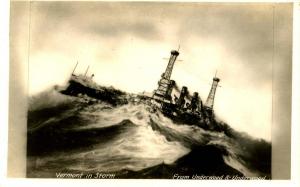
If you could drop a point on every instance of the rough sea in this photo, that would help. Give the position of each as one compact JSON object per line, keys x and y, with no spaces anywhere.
{"x":71,"y":137}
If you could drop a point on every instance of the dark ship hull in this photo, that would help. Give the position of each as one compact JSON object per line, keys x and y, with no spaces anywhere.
{"x":204,"y":119}
{"x":80,"y":86}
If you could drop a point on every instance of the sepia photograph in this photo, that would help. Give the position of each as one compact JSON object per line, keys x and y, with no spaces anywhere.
{"x":150,"y":90}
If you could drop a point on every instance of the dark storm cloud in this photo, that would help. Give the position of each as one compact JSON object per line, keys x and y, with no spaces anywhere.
{"x":245,"y":30}
{"x":138,"y":29}
{"x":103,"y":19}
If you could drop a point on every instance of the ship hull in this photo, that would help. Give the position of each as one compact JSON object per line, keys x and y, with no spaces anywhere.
{"x":111,"y":96}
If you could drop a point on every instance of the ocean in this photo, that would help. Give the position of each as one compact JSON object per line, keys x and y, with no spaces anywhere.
{"x":72,"y":137}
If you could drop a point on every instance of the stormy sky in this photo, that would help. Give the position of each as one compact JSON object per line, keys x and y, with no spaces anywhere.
{"x":125,"y":45}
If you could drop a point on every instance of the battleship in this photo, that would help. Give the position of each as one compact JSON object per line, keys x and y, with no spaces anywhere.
{"x":185,"y":108}
{"x":92,"y":129}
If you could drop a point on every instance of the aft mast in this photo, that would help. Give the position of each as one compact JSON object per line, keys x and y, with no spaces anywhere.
{"x":209,"y":104}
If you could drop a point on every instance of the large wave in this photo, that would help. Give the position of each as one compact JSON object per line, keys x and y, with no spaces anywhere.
{"x":72,"y":134}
